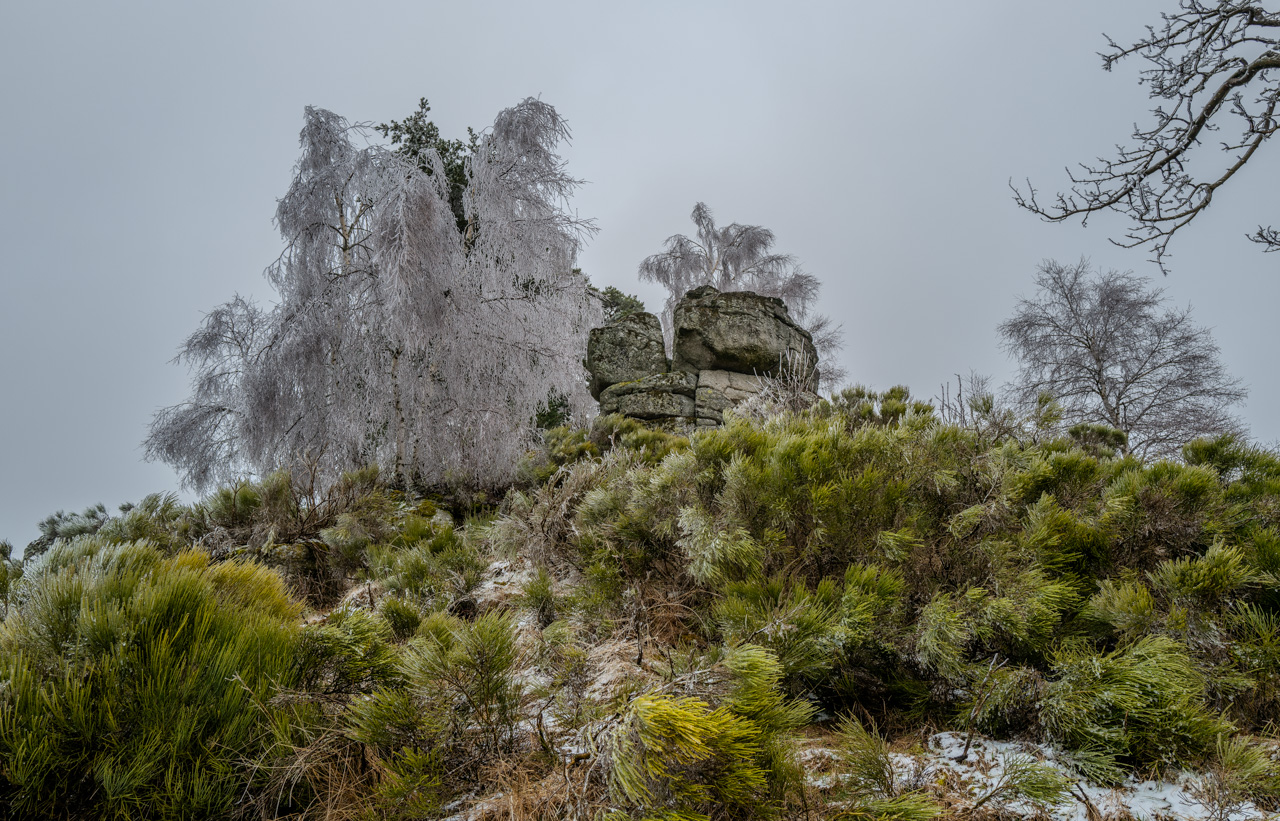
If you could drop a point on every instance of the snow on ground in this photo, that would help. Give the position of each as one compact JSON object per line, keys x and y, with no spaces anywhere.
{"x":984,"y":764}
{"x":613,"y":666}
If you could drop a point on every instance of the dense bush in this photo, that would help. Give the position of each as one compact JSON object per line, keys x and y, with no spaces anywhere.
{"x":914,"y":568}
{"x":133,"y":681}
{"x":649,"y":619}
{"x":678,"y":756}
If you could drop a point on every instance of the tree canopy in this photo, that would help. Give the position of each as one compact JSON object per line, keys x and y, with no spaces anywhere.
{"x":396,"y":339}
{"x":1214,"y":66}
{"x":1108,"y":348}
{"x":418,"y":139}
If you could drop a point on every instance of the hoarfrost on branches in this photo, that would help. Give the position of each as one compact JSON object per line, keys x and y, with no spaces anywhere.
{"x":740,"y":258}
{"x":397,"y":338}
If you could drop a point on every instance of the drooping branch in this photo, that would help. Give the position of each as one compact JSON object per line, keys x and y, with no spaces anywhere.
{"x":395,"y":339}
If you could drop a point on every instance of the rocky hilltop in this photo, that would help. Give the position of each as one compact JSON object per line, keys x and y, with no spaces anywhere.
{"x":726,"y":346}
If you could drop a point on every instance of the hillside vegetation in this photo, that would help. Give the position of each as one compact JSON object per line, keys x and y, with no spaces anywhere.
{"x":787,"y":617}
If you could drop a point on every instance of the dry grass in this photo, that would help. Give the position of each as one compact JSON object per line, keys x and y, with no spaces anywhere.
{"x":328,"y":778}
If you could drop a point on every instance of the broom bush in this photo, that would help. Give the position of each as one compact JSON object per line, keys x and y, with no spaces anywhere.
{"x":133,"y":681}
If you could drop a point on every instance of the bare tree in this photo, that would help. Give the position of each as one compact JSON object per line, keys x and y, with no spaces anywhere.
{"x":740,"y":258}
{"x":397,"y":339}
{"x":1110,"y":351}
{"x":1217,"y":64}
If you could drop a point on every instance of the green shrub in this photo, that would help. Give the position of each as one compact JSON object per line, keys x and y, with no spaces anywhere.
{"x":159,"y":518}
{"x":62,"y":525}
{"x":348,"y":541}
{"x":464,"y":670}
{"x":1126,"y":606}
{"x":1069,"y":477}
{"x":678,"y":758}
{"x":317,"y":540}
{"x":622,"y":432}
{"x":564,"y":659}
{"x":859,"y":405}
{"x":1005,"y":701}
{"x":755,"y":694}
{"x":1098,"y":440}
{"x":409,"y":747}
{"x":1141,"y":705}
{"x":1165,"y":511}
{"x":135,"y":681}
{"x":869,"y":785}
{"x":433,"y":573}
{"x":10,"y":573}
{"x":1023,"y":621}
{"x":800,"y":627}
{"x":871,"y":606}
{"x":561,"y":445}
{"x":1021,"y":778}
{"x":1204,"y":581}
{"x":401,"y":616}
{"x":1242,"y":773}
{"x":537,"y":595}
{"x":351,"y":653}
{"x":315,"y":763}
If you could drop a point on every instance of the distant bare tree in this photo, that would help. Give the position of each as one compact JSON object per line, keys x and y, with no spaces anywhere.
{"x":1107,"y":348}
{"x":740,"y":258}
{"x":1216,"y":63}
{"x":396,"y":339}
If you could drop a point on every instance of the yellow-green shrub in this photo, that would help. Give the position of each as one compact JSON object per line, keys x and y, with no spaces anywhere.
{"x":134,"y":681}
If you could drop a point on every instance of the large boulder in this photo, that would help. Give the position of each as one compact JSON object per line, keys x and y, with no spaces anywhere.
{"x":660,"y":396}
{"x":737,"y":331}
{"x":625,"y":350}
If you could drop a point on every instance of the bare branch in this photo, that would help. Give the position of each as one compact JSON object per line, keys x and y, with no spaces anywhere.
{"x":1215,"y":63}
{"x":1110,"y":351}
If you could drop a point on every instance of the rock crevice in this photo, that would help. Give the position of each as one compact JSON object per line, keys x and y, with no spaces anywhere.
{"x":726,"y":344}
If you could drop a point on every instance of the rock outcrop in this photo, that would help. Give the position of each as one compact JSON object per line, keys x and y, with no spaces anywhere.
{"x":725,"y":345}
{"x":657,"y":396}
{"x":737,"y":331}
{"x":630,"y":348}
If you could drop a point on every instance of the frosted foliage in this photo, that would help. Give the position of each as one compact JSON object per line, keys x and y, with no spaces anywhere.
{"x":737,"y":258}
{"x":396,"y":339}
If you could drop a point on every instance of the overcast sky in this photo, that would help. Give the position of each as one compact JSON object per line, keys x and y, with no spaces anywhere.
{"x":145,"y":145}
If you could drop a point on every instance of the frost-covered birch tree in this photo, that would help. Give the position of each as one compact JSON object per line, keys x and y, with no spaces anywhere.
{"x":398,"y":337}
{"x":739,"y":257}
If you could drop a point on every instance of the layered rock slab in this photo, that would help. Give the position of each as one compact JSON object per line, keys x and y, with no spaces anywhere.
{"x":738,"y":331}
{"x":658,"y":396}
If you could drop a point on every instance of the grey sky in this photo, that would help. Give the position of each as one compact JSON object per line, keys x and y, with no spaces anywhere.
{"x":145,"y":145}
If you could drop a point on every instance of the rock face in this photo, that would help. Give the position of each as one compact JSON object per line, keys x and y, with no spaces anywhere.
{"x":739,"y":331}
{"x":658,"y":396}
{"x":725,"y":344}
{"x":630,"y":348}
